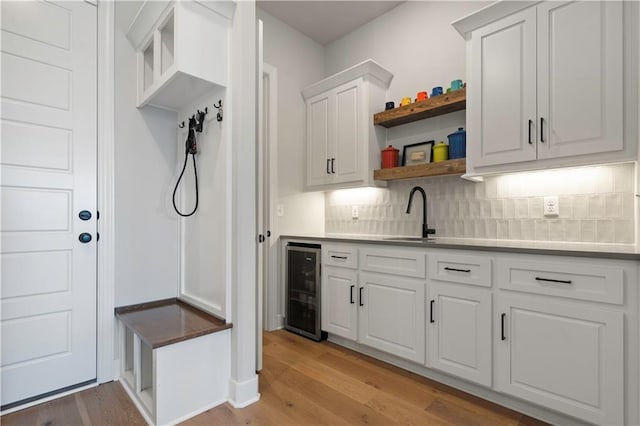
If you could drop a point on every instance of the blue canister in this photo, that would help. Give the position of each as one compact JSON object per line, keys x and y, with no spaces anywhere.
{"x":458,"y":144}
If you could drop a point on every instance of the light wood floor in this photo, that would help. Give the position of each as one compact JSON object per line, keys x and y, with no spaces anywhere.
{"x":302,"y":383}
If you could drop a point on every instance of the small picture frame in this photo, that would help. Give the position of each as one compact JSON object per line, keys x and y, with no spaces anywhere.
{"x":417,"y":153}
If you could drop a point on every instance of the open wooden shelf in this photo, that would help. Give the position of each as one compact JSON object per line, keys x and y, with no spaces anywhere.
{"x":443,"y":168}
{"x":443,"y":104}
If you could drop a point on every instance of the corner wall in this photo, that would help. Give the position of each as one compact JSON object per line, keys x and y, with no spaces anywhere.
{"x":146,"y":231}
{"x":300,"y":62}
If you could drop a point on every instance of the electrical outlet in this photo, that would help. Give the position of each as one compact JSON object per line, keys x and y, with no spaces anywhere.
{"x":354,"y":212}
{"x":550,"y":206}
{"x":280,"y":210}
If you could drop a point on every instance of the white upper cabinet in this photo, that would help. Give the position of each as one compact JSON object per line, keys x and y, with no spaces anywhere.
{"x":579,"y":78}
{"x":343,"y":146}
{"x":182,"y":49}
{"x":546,"y":85}
{"x":502,"y":100}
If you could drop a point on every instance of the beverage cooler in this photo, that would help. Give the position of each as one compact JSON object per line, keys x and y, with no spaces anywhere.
{"x":303,"y":290}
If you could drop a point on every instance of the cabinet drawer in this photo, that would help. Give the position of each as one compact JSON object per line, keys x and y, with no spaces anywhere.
{"x":408,"y":263}
{"x":577,"y":279}
{"x":340,"y":255}
{"x":452,"y":267}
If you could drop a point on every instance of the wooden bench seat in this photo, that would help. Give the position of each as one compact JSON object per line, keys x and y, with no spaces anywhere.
{"x":168,"y":321}
{"x":174,"y":359}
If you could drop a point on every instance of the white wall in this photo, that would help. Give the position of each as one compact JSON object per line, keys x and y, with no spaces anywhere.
{"x":416,"y":42}
{"x":300,"y":62}
{"x":204,"y":242}
{"x":146,"y":230}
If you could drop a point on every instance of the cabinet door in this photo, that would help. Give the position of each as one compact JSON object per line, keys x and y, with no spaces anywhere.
{"x":580,"y":93}
{"x":459,"y":331}
{"x":563,"y":355}
{"x":391,"y":315}
{"x":318,"y":134}
{"x":345,"y":153}
{"x":502,"y":91}
{"x":339,"y":308}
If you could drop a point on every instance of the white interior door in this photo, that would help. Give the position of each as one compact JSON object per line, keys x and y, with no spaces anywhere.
{"x":48,"y":168}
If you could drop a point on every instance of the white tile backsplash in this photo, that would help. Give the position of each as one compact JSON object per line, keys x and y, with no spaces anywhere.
{"x":596,"y":205}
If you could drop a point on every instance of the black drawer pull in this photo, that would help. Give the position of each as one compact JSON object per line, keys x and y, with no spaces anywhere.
{"x":328,"y":172}
{"x":431,"y":320}
{"x":339,"y":257}
{"x":541,"y":129}
{"x":553,"y":281}
{"x":446,"y":268}
{"x":530,"y":123}
{"x":351,"y":294}
{"x":360,"y":296}
{"x":503,"y":337}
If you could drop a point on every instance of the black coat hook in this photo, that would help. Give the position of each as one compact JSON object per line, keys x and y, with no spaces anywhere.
{"x":219,"y":108}
{"x":181,"y":125}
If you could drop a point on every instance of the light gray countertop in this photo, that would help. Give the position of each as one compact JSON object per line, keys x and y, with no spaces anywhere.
{"x":602,"y":251}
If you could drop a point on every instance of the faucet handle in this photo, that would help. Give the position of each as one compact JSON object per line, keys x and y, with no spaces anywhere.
{"x":426,"y":231}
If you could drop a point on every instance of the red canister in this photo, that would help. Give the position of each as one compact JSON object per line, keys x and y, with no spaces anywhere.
{"x":389,"y":157}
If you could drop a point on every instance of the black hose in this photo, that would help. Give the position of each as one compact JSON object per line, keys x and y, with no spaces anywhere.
{"x":195,"y":174}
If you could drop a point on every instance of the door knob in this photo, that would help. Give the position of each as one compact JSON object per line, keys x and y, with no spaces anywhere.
{"x":84,"y":238}
{"x":84,"y":215}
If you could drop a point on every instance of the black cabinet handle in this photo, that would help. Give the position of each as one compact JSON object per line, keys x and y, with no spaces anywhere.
{"x":503,"y":337}
{"x":351,"y":294}
{"x":332,"y":161}
{"x":553,"y":281}
{"x":446,"y":268}
{"x":339,"y":257}
{"x":431,"y":320}
{"x":360,"y":296}
{"x":541,"y":129}
{"x":530,"y":124}
{"x":328,"y":172}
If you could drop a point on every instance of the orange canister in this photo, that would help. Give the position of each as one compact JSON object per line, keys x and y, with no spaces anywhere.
{"x":389,"y":157}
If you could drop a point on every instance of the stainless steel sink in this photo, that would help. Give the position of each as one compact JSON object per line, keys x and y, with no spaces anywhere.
{"x":413,"y":239}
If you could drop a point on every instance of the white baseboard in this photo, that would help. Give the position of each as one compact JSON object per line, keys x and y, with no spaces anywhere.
{"x":242,"y":394}
{"x":47,"y":399}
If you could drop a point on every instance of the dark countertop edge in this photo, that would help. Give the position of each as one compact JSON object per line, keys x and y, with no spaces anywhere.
{"x":471,"y":246}
{"x":221,"y":324}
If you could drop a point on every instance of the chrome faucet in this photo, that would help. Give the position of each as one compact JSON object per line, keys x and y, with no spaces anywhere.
{"x":425,"y":228}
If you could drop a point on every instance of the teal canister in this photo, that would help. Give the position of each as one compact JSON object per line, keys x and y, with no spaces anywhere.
{"x":458,"y":144}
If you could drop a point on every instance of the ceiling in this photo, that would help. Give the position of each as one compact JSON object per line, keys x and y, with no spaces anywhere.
{"x":326,"y":21}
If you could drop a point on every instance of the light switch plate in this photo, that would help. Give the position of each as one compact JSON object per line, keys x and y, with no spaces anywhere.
{"x":550,"y":206}
{"x":280,"y":210}
{"x":354,"y":212}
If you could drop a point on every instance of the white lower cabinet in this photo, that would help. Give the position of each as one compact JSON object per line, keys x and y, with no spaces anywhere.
{"x":391,"y":315}
{"x":459,"y":331}
{"x":563,"y":355}
{"x":560,"y":333}
{"x":339,"y":302}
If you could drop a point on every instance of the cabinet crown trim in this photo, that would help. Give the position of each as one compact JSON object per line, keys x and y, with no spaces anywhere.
{"x":489,"y":14}
{"x":365,"y":68}
{"x":151,"y":11}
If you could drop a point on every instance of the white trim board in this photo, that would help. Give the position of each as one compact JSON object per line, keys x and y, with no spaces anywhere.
{"x":106,"y":324}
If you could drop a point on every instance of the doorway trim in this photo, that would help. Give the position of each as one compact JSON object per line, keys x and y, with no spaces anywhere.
{"x":106,"y":324}
{"x":272,"y":292}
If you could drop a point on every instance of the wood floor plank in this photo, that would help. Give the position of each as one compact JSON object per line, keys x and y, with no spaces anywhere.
{"x":100,"y":402}
{"x":302,"y":383}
